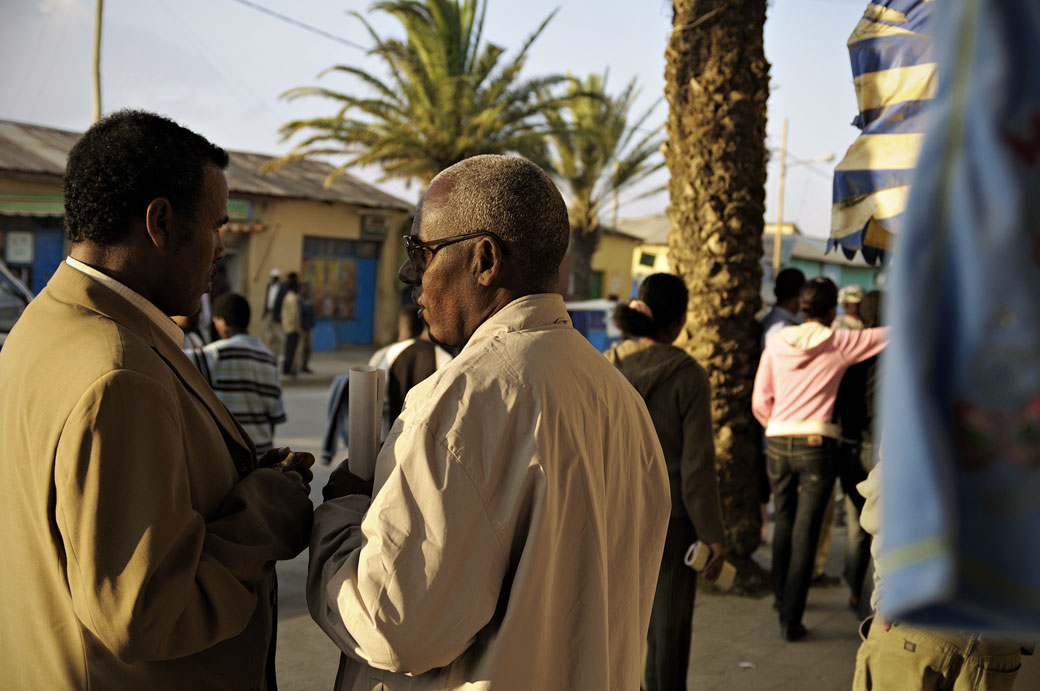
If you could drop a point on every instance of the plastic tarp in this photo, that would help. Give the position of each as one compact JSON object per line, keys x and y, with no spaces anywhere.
{"x":894,"y":71}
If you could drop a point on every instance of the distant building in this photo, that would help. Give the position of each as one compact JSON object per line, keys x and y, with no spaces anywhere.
{"x":798,"y":251}
{"x":811,"y":256}
{"x":611,"y":266}
{"x":344,"y":239}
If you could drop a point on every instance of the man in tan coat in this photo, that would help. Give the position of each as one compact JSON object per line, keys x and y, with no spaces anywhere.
{"x":512,"y":536}
{"x":139,"y":530}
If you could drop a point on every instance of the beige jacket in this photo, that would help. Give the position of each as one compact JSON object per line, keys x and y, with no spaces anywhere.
{"x":134,"y":556}
{"x":517,"y":526}
{"x":291,"y":322}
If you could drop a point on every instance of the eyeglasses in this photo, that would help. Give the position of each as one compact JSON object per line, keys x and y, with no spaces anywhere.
{"x":421,"y":253}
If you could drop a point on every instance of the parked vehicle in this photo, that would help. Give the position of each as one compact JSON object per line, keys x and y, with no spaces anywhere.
{"x":593,"y":319}
{"x":14,"y":296}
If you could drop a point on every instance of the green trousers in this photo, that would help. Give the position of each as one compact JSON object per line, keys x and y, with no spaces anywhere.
{"x":909,"y":658}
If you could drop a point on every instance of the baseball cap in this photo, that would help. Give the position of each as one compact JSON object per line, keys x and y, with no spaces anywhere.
{"x":850,"y":294}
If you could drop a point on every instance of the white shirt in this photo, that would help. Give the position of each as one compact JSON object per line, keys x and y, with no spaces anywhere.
{"x":163,"y":321}
{"x":514,"y":538}
{"x":776,"y":319}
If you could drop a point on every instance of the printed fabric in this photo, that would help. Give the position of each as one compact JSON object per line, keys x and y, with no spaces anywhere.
{"x":961,"y":386}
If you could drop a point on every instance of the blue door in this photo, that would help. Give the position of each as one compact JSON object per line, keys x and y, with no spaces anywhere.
{"x":49,"y":251}
{"x":342,"y":276}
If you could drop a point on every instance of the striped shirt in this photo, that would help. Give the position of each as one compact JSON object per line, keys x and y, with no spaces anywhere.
{"x":244,"y":375}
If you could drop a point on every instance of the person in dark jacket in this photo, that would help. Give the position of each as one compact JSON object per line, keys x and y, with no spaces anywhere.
{"x":678,"y":396}
{"x":856,"y":412}
{"x":307,"y":322}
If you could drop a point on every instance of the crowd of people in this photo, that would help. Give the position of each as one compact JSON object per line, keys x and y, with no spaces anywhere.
{"x":533,"y":501}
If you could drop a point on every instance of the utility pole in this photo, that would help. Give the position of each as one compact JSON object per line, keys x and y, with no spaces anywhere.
{"x":617,"y":165}
{"x":778,"y":235}
{"x":97,"y":62}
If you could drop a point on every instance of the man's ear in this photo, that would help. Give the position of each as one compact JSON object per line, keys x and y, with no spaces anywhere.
{"x":158,"y":221}
{"x":489,"y":262}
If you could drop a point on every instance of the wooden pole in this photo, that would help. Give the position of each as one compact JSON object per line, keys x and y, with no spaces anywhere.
{"x":778,"y":235}
{"x":97,"y":61}
{"x":613,"y":225}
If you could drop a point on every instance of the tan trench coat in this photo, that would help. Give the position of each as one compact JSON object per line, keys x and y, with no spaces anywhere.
{"x":515,"y":534}
{"x":133,"y":555}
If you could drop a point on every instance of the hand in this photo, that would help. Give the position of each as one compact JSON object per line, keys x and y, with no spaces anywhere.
{"x":288,"y":461}
{"x":713,"y":568}
{"x":342,"y":482}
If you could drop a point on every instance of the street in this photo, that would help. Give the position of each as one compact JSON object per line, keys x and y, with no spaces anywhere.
{"x":307,"y":660}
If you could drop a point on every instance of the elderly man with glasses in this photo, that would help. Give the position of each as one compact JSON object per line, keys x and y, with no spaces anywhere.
{"x":512,"y":534}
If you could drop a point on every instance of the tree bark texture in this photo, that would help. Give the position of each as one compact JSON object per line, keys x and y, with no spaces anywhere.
{"x":583,"y":246}
{"x":716,"y":84}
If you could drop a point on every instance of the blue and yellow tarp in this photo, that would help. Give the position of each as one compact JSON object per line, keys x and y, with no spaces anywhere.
{"x":891,"y":50}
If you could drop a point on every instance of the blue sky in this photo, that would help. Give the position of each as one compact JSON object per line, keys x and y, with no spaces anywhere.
{"x":219,"y":67}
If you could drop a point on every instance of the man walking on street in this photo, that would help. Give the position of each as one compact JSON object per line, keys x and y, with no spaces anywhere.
{"x":793,"y":398}
{"x":292,"y":323}
{"x":512,"y":535}
{"x":788,"y":292}
{"x":140,"y":532}
{"x":271,"y":333}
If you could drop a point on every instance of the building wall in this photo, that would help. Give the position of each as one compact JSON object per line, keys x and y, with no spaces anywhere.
{"x":42,"y":235}
{"x":287,"y":222}
{"x":660,"y":260}
{"x":613,"y":258}
{"x":18,"y":186}
{"x":281,"y":245}
{"x":867,"y":277}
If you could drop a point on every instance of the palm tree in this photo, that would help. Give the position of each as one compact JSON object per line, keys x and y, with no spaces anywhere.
{"x":447,"y":96}
{"x":716,"y":84}
{"x":595,"y":154}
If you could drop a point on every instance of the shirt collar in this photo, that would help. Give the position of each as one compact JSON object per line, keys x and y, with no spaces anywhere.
{"x":165,"y":324}
{"x":527,"y":312}
{"x":787,"y":314}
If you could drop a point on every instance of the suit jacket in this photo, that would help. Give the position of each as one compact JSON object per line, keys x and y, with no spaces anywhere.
{"x":138,"y":540}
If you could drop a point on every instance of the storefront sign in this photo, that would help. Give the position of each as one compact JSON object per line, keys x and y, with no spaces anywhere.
{"x":375,"y":227}
{"x":240,"y":209}
{"x":18,"y":247}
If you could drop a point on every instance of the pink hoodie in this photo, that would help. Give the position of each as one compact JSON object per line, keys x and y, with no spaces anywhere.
{"x":798,"y":377}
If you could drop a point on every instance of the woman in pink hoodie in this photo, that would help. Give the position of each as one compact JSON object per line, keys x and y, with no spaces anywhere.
{"x":795,"y":389}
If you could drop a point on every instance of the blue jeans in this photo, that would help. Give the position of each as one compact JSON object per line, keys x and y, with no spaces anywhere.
{"x":801,"y":472}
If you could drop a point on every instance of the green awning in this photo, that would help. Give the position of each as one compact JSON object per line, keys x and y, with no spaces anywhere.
{"x":31,"y":205}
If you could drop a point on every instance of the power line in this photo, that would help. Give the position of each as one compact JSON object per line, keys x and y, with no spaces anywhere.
{"x":297,"y":23}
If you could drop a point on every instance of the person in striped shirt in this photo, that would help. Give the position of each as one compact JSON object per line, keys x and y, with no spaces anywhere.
{"x":242,"y":371}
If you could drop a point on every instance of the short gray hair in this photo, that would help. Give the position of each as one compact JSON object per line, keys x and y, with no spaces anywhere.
{"x":514,"y":199}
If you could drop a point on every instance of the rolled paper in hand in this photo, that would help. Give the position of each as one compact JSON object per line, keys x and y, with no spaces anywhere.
{"x":697,"y":555}
{"x":724,"y":581}
{"x":365,"y":406}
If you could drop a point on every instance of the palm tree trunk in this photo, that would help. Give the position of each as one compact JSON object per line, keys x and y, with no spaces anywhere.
{"x":717,"y":83}
{"x":583,"y":246}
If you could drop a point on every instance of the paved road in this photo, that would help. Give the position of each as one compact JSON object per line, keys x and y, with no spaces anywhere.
{"x":307,"y":659}
{"x":736,"y":642}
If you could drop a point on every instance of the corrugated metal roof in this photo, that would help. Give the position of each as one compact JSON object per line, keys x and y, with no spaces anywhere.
{"x":36,"y":150}
{"x":652,"y":230}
